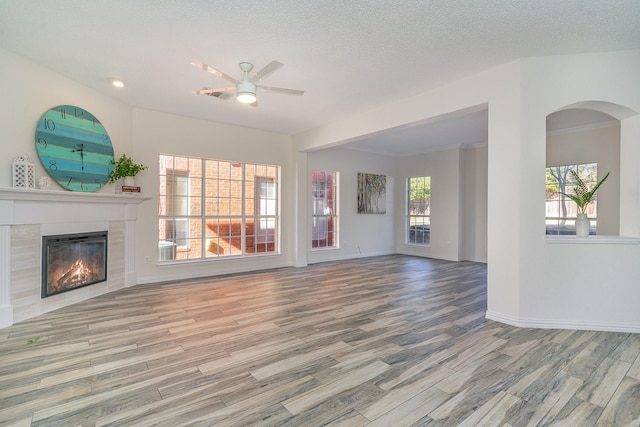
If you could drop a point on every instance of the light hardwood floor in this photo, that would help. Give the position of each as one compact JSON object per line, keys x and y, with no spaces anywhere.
{"x":385,"y":341}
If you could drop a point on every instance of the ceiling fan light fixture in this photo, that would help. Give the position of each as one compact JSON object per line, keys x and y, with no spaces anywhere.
{"x":246,"y":88}
{"x":246,"y":92}
{"x":246,"y":97}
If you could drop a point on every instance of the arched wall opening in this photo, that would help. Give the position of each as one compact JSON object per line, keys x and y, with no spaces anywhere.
{"x":589,"y":136}
{"x":587,"y":142}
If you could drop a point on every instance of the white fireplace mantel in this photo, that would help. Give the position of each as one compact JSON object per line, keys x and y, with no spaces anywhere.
{"x":63,"y":212}
{"x":50,"y":196}
{"x":31,"y":206}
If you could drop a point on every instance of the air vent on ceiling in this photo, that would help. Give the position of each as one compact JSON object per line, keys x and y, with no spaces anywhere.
{"x":221,"y":95}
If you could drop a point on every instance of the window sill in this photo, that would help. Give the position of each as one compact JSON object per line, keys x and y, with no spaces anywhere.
{"x":328,"y":248}
{"x":608,"y":240}
{"x":233,"y":258}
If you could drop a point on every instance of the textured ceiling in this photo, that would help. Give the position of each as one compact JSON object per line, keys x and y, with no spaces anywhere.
{"x":349,"y":57}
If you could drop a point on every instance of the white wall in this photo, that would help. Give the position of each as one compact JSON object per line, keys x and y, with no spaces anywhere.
{"x":359,"y":234}
{"x":459,"y":203}
{"x":475,"y":202}
{"x":574,"y":285}
{"x":531,"y":281}
{"x":446,"y":203}
{"x":28,"y":91}
{"x":593,"y":144}
{"x":499,"y":88}
{"x":630,"y":186}
{"x":156,"y":133}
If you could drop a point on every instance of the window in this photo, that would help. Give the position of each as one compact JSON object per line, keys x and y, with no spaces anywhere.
{"x":177,"y":191}
{"x":419,"y":210}
{"x":216,"y":208}
{"x":324,"y":185}
{"x":561,"y":212}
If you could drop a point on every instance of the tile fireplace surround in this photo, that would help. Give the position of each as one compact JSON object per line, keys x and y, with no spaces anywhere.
{"x":28,"y":214}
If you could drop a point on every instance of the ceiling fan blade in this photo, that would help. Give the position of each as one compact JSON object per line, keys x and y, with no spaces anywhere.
{"x":210,"y":69}
{"x":282,"y":90}
{"x":208,"y":91}
{"x":266,"y":71}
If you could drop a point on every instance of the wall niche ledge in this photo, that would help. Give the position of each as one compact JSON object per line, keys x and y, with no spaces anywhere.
{"x":593,"y":240}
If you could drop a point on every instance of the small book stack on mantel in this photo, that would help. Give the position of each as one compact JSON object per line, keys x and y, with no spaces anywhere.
{"x":129,"y":190}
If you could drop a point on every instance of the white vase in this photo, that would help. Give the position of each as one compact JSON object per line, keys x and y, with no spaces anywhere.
{"x":583,"y":225}
{"x":128,"y":181}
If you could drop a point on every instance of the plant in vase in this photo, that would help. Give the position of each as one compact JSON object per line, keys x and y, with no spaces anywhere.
{"x":583,"y":196}
{"x":125,"y":168}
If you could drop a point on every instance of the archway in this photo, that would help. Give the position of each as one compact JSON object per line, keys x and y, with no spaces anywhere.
{"x":587,"y":137}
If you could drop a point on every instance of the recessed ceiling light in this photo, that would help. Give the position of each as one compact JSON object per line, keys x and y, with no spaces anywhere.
{"x":117,"y":83}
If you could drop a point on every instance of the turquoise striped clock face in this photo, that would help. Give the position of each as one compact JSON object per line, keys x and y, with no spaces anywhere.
{"x":74,"y":148}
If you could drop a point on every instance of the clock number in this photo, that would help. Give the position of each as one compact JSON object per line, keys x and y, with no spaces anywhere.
{"x":78,"y":112}
{"x":52,"y":165}
{"x":63,"y":113}
{"x":49,"y":124}
{"x":42,"y":143}
{"x":70,"y":179}
{"x":84,"y":187}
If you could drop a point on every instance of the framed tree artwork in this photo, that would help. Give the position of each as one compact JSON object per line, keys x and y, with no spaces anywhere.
{"x":372,"y":193}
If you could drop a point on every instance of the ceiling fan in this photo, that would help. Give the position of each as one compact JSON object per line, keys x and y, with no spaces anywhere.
{"x":247,"y":87}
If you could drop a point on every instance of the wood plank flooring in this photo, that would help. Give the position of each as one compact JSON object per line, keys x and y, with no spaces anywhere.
{"x":384,"y":341}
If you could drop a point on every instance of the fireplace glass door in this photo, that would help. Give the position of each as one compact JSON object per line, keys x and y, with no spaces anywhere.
{"x":72,"y":261}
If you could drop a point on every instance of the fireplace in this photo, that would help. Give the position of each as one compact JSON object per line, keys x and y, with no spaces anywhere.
{"x":72,"y":261}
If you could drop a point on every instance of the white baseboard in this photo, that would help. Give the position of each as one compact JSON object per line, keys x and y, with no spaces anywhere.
{"x":188,"y":275}
{"x":563,"y":324}
{"x":6,"y":315}
{"x":130,"y":279}
{"x":342,"y":256}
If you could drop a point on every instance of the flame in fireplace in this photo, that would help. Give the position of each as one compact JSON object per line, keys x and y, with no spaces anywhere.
{"x":78,"y":274}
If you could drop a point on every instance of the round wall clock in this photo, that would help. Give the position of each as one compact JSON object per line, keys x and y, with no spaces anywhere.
{"x":74,"y":148}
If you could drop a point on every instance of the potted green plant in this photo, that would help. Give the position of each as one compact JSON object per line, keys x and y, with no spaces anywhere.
{"x":125,"y":167}
{"x":583,"y":196}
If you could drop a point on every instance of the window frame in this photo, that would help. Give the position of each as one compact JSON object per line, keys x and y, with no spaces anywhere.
{"x":418,"y":224}
{"x":224,"y":208}
{"x":179,"y":211}
{"x":565,"y":225}
{"x":328,"y":220}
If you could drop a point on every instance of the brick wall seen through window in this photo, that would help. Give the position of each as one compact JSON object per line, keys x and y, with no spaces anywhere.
{"x":216,"y":208}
